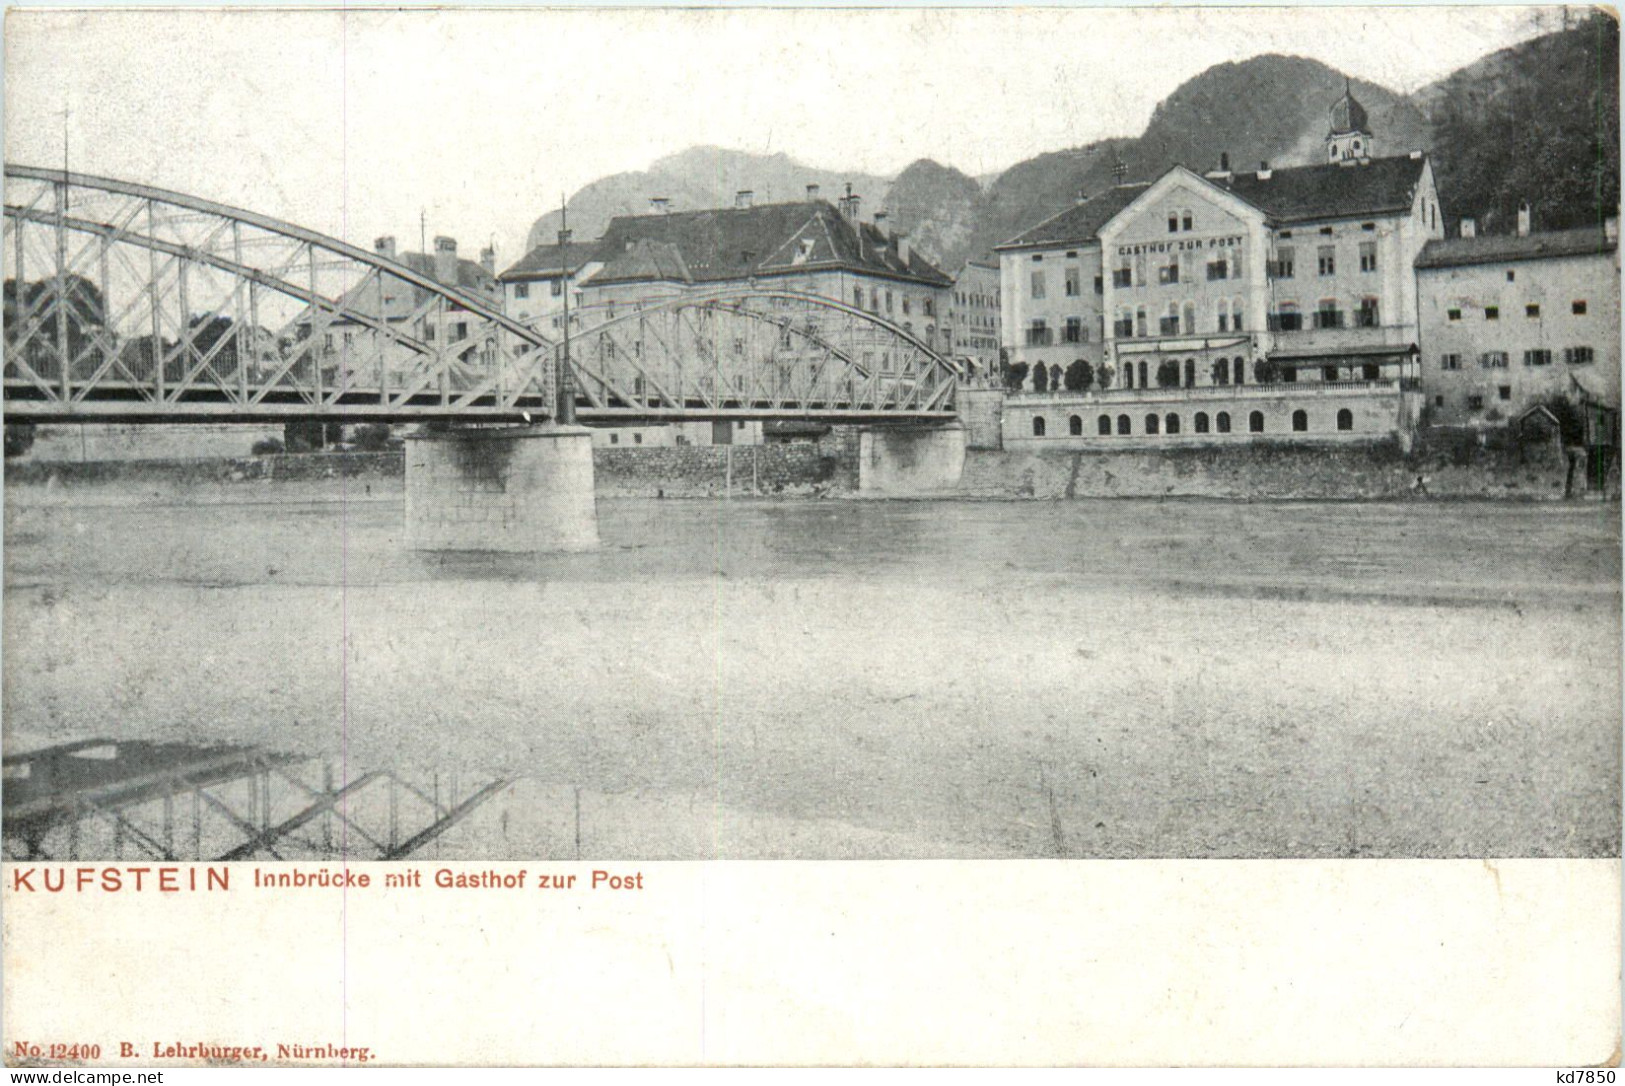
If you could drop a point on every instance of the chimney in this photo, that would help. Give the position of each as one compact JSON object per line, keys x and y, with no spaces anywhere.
{"x":488,"y":260}
{"x":1082,"y":197}
{"x":880,"y":219}
{"x":1224,"y":161}
{"x":1610,"y":228}
{"x":849,"y":205}
{"x":812,"y":192}
{"x":744,"y":198}
{"x":445,"y":260}
{"x":1469,"y":228}
{"x":1264,"y":171}
{"x":660,"y":205}
{"x":1523,"y":219}
{"x":903,"y":247}
{"x":385,"y":246}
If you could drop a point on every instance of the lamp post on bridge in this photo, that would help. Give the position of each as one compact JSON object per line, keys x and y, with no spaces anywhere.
{"x":565,"y":409}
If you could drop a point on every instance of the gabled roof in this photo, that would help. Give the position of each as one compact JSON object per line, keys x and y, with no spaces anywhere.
{"x":550,"y":261}
{"x":739,"y":243}
{"x":646,"y":259}
{"x":1079,"y":223}
{"x":1500,"y":248}
{"x":1331,"y":191}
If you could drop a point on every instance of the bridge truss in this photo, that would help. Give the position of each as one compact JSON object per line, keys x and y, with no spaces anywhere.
{"x":126,"y":302}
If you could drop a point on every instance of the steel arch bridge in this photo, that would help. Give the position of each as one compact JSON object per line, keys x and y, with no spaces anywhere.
{"x":126,"y":302}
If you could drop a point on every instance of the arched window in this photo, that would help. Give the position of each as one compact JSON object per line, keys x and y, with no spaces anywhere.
{"x":1171,"y":424}
{"x":1038,"y":425}
{"x":1223,"y":422}
{"x":1238,"y":369}
{"x":1255,"y":422}
{"x":1151,"y":424}
{"x":1190,"y":373}
{"x":1075,"y":425}
{"x":1123,"y":425}
{"x":1128,"y":375}
{"x":1055,"y":378}
{"x":1300,"y":421}
{"x":1105,"y":425}
{"x":1221,"y":372}
{"x":1143,"y":382}
{"x":1188,"y":324}
{"x":1345,"y":419}
{"x":1236,"y":324}
{"x":1201,"y":422}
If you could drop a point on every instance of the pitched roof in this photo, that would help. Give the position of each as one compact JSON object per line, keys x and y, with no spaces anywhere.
{"x":548,"y":261}
{"x":1080,"y":222}
{"x":471,"y":275}
{"x":1331,"y":191}
{"x":646,"y":260}
{"x":738,"y":243}
{"x":1499,"y":248}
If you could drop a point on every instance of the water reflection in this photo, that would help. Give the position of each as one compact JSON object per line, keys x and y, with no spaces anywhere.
{"x":104,"y":799}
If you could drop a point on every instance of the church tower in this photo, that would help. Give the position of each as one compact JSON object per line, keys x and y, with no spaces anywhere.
{"x":1349,"y":142}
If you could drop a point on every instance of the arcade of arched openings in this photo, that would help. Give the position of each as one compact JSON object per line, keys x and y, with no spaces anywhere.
{"x":1095,"y":422}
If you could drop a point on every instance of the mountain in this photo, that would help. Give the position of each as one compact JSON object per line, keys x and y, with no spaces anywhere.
{"x":697,"y":178}
{"x":1267,"y":108}
{"x":1539,"y":122}
{"x":938,"y":207}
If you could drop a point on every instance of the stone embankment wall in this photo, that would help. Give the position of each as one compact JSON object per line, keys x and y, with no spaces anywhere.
{"x":294,"y":468}
{"x":1276,"y":471}
{"x":693,"y":470}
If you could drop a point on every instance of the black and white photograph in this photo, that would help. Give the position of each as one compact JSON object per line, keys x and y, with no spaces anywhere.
{"x":572,"y":437}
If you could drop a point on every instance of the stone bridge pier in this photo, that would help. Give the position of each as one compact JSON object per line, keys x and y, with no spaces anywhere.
{"x":516,"y":489}
{"x":911,"y":460}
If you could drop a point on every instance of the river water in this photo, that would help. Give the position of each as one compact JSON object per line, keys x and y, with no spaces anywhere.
{"x":844,"y":678}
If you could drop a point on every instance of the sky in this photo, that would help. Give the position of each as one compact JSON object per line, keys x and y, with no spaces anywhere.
{"x":356,"y":123}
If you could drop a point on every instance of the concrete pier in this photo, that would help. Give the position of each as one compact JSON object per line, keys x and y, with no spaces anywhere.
{"x":904,"y":461}
{"x":521,"y":489}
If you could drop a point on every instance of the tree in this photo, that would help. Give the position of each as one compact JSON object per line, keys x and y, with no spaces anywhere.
{"x":1040,"y":378}
{"x":1080,"y":376}
{"x":1266,"y":371}
{"x":309,"y":435}
{"x":1015,"y":374}
{"x":1104,"y":376}
{"x":1168,"y":373}
{"x":19,"y":438}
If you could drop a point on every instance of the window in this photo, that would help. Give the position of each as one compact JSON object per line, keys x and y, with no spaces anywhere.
{"x":1038,"y":425}
{"x":1201,"y":422}
{"x":1173,"y":224}
{"x":1038,"y":333}
{"x":1532,"y":310}
{"x":888,"y":300}
{"x":1512,"y":276}
{"x":1074,"y":282}
{"x":1169,"y":325}
{"x":1493,"y":360}
{"x":1152,"y":424}
{"x":1368,"y":256}
{"x":1345,"y":419}
{"x":1171,"y":424}
{"x":1122,"y":277}
{"x":637,"y":438}
{"x":1038,"y":283}
{"x":1492,"y":312}
{"x":1074,"y":425}
{"x":1326,"y":258}
{"x":1300,"y":421}
{"x":1475,"y":403}
{"x":1537,"y":358}
{"x":1222,"y":420}
{"x":1139,"y":322}
{"x":1327,"y":315}
{"x":614,"y":439}
{"x":1505,"y":392}
{"x":1104,"y":425}
{"x":1074,"y":330}
{"x":1453,"y":314}
{"x":905,"y":305}
{"x":1288,"y":319}
{"x":1366,"y":317}
{"x":1169,"y":274}
{"x":1123,"y":326}
{"x":1578,"y":356}
{"x":1438,"y":401}
{"x":1144,"y":383}
{"x":1284,"y":257}
{"x":1328,"y":373}
{"x":1217,"y":269}
{"x":1235,"y":315}
{"x":1371,"y":371}
{"x":1578,"y":308}
{"x":1255,"y":422}
{"x":1123,"y":427}
{"x":1185,"y":219}
{"x":1326,"y":231}
{"x":1369,"y":227}
{"x":521,"y":290}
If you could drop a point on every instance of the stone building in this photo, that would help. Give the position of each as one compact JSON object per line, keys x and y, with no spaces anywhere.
{"x":1200,"y":283}
{"x":971,"y":322}
{"x":1509,"y":322}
